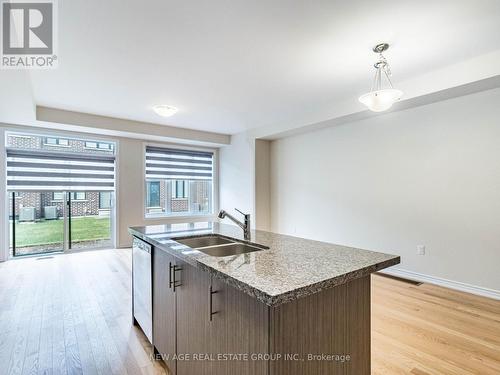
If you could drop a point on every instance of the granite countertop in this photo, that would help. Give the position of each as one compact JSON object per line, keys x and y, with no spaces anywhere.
{"x":291,"y":268}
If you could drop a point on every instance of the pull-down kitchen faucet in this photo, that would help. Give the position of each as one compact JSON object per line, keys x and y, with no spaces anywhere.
{"x":245,"y":225}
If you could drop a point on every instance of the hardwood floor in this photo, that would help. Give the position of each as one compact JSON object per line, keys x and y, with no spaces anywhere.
{"x":70,"y":314}
{"x":427,"y":329}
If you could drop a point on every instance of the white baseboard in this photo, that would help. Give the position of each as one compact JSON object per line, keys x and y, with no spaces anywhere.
{"x":463,"y":287}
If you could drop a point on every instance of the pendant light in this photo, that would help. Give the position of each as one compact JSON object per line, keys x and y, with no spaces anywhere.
{"x":380,"y":99}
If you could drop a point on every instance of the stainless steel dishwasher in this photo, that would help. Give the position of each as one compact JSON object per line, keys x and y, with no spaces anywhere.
{"x":142,"y":291}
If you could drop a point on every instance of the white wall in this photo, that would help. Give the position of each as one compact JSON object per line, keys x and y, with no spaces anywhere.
{"x":237,"y":175}
{"x":262,"y":185}
{"x":424,"y":176}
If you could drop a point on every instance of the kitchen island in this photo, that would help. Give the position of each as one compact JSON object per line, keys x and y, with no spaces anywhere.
{"x":285,"y":305}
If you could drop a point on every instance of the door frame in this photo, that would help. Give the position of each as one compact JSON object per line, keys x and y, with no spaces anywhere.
{"x":4,"y":193}
{"x":13,"y":224}
{"x":66,"y":217}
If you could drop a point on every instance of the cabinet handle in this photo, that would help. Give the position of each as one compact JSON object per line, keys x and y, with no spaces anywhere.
{"x":172,"y":283}
{"x":170,"y":274}
{"x":210,"y":293}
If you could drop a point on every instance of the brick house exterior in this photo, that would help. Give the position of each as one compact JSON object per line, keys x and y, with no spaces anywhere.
{"x":34,"y":142}
{"x":39,"y":200}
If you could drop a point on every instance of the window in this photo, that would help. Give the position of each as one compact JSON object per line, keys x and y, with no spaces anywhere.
{"x":78,"y":195}
{"x":179,"y":189}
{"x":99,"y":145}
{"x":103,"y":146}
{"x":75,"y":196}
{"x":104,"y":200}
{"x":178,"y":182}
{"x":57,"y":196}
{"x":153,"y":194}
{"x":51,"y":141}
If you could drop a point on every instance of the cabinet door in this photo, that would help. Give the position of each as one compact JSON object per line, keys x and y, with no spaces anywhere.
{"x":193,"y":323}
{"x":239,"y":326}
{"x":164,"y":308}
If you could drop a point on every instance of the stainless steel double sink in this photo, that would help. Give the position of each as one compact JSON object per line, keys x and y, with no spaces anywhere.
{"x":219,"y":246}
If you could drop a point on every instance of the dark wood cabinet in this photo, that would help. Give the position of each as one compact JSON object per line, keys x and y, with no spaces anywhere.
{"x":239,"y":327}
{"x":334,"y":322}
{"x":213,"y":328}
{"x":164,"y":309}
{"x":217,"y":325}
{"x":202,"y":321}
{"x":193,"y":322}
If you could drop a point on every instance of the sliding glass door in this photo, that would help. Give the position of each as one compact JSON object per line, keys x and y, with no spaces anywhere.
{"x":60,"y":191}
{"x":37,"y":222}
{"x":89,"y":219}
{"x":49,"y":221}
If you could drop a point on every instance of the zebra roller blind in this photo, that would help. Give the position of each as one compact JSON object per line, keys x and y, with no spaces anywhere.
{"x":52,"y":170}
{"x":173,"y":164}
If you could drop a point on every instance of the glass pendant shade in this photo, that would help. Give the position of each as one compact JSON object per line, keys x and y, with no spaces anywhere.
{"x":381,"y":100}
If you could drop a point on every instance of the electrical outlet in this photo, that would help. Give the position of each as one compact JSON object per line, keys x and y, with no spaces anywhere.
{"x":420,"y":250}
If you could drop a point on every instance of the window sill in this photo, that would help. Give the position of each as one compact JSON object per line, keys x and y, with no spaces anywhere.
{"x":48,"y":144}
{"x":72,"y":201}
{"x":179,"y":218}
{"x":97,"y":149}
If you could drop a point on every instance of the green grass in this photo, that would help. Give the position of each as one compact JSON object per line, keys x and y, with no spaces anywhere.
{"x":46,"y":232}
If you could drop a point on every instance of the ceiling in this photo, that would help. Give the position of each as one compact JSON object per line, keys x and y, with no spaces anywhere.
{"x":236,"y":65}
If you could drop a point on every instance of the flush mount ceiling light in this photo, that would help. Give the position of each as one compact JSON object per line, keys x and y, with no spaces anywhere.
{"x":381,"y":99}
{"x":164,"y":110}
